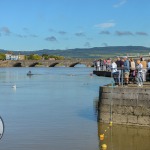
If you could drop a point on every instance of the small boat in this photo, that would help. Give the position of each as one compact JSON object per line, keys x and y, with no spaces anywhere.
{"x":29,"y":73}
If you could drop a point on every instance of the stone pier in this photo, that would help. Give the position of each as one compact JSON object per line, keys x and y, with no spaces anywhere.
{"x":125,"y":105}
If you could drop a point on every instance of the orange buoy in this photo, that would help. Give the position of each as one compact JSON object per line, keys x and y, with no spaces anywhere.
{"x":101,"y":137}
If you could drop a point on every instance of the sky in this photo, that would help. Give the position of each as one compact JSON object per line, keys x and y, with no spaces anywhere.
{"x":65,"y":24}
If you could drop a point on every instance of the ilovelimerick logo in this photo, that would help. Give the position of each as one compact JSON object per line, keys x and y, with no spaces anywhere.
{"x":1,"y":127}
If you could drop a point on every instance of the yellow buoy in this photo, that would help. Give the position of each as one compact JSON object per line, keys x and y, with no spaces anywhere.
{"x":110,"y":123}
{"x":101,"y":137}
{"x":104,"y":146}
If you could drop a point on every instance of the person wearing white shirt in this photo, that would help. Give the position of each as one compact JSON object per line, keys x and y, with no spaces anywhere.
{"x":139,"y":76}
{"x":114,"y":72}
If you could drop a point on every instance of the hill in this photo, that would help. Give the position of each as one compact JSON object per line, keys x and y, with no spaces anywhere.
{"x":95,"y":52}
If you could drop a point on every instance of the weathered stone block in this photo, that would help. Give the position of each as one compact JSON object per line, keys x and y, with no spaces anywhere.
{"x":143,"y":96}
{"x":130,"y":102}
{"x":128,"y":110}
{"x":105,"y":101}
{"x":120,"y":119}
{"x":125,"y":89}
{"x":143,"y":103}
{"x":118,"y":109}
{"x":132,"y":119}
{"x":144,"y":120}
{"x":104,"y":117}
{"x":138,"y":111}
{"x":105,"y":95}
{"x":116,"y":96}
{"x":106,"y":89}
{"x":105,"y":108}
{"x":146,"y":111}
{"x":117,"y":102}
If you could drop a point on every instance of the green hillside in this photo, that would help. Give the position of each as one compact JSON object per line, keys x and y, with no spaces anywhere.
{"x":95,"y":52}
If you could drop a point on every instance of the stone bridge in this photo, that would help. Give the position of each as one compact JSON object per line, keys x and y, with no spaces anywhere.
{"x":46,"y":63}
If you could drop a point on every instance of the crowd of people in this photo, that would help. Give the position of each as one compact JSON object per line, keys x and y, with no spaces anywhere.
{"x":125,"y":70}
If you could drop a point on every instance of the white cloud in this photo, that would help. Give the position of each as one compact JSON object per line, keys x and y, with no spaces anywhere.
{"x":120,"y":3}
{"x":79,"y":34}
{"x":124,"y":33}
{"x":5,"y":31}
{"x":105,"y":25}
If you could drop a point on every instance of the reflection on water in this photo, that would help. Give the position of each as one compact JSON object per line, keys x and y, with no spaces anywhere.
{"x":120,"y":137}
{"x":53,"y":110}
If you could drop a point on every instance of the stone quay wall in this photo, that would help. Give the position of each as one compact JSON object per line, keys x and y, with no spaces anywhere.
{"x":124,"y":105}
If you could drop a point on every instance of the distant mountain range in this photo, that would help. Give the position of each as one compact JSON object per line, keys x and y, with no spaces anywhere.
{"x":95,"y":52}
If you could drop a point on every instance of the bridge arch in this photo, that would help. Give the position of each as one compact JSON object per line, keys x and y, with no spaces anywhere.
{"x":81,"y":65}
{"x":72,"y":65}
{"x":18,"y":64}
{"x":53,"y":64}
{"x":33,"y":64}
{"x":92,"y":65}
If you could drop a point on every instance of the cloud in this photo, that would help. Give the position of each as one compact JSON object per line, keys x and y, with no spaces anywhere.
{"x":120,"y":3}
{"x":33,"y":35}
{"x":142,"y":33}
{"x":25,"y":29}
{"x":26,"y":36}
{"x":87,"y":44}
{"x":21,"y":36}
{"x":62,"y":32}
{"x":125,"y":33}
{"x":105,"y":25}
{"x":105,"y":32}
{"x":5,"y":31}
{"x":52,"y":30}
{"x":51,"y":39}
{"x":104,"y":44}
{"x":90,"y":38}
{"x":80,"y":34}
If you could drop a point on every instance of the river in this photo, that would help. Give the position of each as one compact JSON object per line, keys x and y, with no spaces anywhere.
{"x":55,"y":109}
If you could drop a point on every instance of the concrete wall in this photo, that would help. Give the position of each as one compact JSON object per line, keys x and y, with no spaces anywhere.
{"x":129,"y":105}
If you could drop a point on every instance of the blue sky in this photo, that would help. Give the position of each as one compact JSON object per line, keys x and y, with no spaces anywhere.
{"x":65,"y":24}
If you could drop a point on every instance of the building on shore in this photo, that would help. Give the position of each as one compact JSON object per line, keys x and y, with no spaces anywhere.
{"x":10,"y":56}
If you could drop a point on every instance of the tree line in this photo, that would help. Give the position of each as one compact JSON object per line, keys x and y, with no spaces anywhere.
{"x":36,"y":57}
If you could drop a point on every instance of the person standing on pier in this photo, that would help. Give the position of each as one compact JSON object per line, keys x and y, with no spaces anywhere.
{"x":144,"y":69}
{"x":114,"y":72}
{"x":139,"y":76}
{"x":98,"y":65}
{"x":119,"y":68}
{"x":126,"y":70}
{"x":132,"y":70}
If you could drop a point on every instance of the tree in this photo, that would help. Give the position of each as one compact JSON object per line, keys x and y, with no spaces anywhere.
{"x":45,"y":56}
{"x":56,"y":57}
{"x":2,"y":56}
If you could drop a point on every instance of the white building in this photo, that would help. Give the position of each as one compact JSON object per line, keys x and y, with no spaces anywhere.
{"x":12,"y":57}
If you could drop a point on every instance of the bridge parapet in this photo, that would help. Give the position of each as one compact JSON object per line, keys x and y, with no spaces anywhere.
{"x":47,"y":63}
